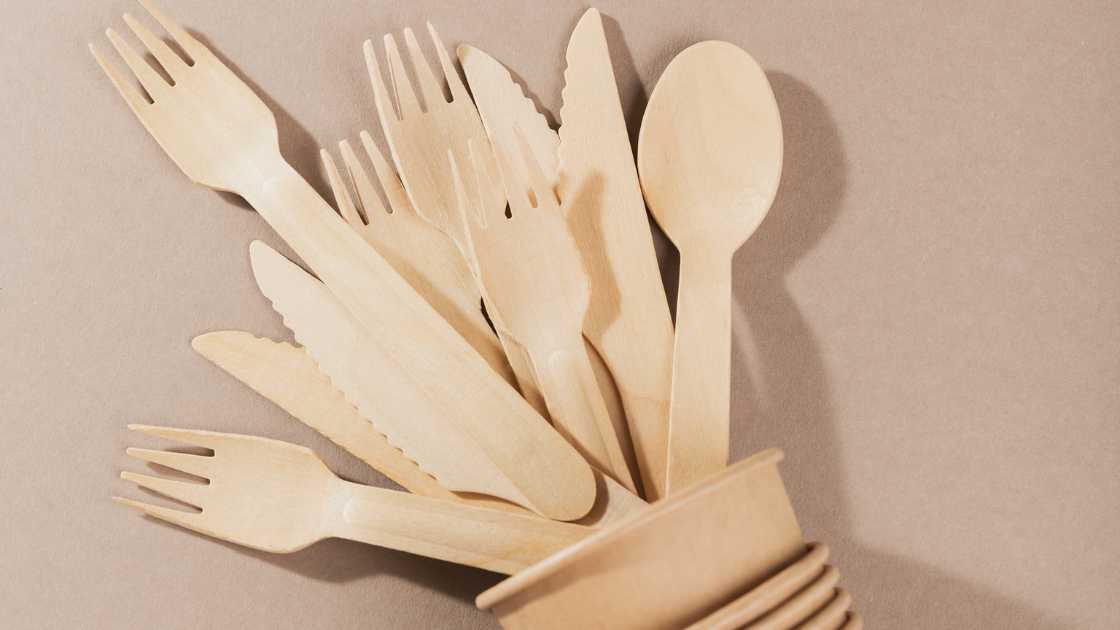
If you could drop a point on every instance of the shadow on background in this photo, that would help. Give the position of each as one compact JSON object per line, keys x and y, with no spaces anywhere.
{"x":297,"y":145}
{"x":781,"y":391}
{"x":772,"y":344}
{"x":338,"y":561}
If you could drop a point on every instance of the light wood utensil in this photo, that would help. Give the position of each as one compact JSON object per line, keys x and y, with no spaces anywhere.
{"x":287,"y":376}
{"x":428,"y":411}
{"x":666,"y":567}
{"x":419,"y":136}
{"x":628,"y":321}
{"x":423,"y":255}
{"x":534,"y":278}
{"x":507,"y":112}
{"x":710,"y":157}
{"x":223,"y":136}
{"x":281,"y":498}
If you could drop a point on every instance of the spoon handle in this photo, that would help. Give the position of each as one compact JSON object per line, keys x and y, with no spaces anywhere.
{"x":700,"y":403}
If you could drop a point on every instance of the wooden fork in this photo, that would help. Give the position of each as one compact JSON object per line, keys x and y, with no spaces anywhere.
{"x":279,"y":497}
{"x":419,"y":138}
{"x":223,"y":136}
{"x":422,"y":254}
{"x":534,"y":275}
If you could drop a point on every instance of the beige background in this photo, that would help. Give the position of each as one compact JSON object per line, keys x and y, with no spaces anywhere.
{"x":928,"y":322}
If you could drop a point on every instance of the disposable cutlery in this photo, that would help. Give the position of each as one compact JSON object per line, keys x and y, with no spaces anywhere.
{"x":628,"y":320}
{"x":287,"y":376}
{"x":223,"y":136}
{"x":423,"y":255}
{"x":534,"y":278}
{"x":506,"y":112}
{"x":710,"y":157}
{"x":280,"y":497}
{"x":420,"y":135}
{"x":419,"y":407}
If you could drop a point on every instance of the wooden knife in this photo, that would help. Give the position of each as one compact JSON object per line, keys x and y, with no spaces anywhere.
{"x":287,"y":376}
{"x":471,"y":439}
{"x":628,"y":321}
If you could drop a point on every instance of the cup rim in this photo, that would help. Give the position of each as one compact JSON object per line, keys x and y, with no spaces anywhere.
{"x":771,"y":594}
{"x":574,"y":553}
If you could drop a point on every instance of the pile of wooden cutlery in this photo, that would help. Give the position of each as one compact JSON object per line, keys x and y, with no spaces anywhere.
{"x":486,"y":324}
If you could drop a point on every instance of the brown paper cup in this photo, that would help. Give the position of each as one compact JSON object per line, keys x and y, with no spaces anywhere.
{"x":669,"y":566}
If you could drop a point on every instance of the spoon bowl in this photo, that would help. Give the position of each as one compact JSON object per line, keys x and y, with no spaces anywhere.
{"x":709,"y":160}
{"x":710,"y":148}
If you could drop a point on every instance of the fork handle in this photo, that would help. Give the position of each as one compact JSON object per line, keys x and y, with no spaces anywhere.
{"x":571,"y":391}
{"x":305,"y":221}
{"x":489,"y":539}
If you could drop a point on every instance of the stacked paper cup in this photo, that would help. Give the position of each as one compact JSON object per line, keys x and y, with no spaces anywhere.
{"x":727,"y":553}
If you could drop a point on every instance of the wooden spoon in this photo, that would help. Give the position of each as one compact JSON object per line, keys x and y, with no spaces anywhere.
{"x":709,"y":159}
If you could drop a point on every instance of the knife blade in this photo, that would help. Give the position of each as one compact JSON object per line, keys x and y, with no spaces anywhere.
{"x":628,"y":321}
{"x":505,"y":110}
{"x":472,"y":435}
{"x":509,"y":116}
{"x":287,"y":376}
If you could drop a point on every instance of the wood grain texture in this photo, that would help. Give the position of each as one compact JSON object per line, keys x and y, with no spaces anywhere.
{"x":628,"y":321}
{"x":532,"y":274}
{"x":223,"y":136}
{"x":287,"y":376}
{"x":470,"y":441}
{"x":280,"y":497}
{"x":710,"y":157}
{"x":940,"y":259}
{"x":507,"y":115}
{"x":428,"y":259}
{"x":421,"y":125}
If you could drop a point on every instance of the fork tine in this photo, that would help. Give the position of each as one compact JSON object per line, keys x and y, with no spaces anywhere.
{"x":189,"y":44}
{"x":429,"y":86}
{"x":385,"y":107}
{"x":402,"y":87}
{"x":197,"y":465}
{"x":517,"y":191}
{"x":491,"y":193}
{"x":185,"y":491}
{"x":136,"y":101}
{"x":341,"y":194}
{"x":458,"y":89}
{"x":390,"y":182}
{"x":155,"y":85}
{"x":367,"y":195}
{"x":171,"y":62}
{"x":190,"y":520}
{"x":205,"y":439}
{"x":539,"y":184}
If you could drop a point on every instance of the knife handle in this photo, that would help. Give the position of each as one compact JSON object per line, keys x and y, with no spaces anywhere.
{"x":494,"y":540}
